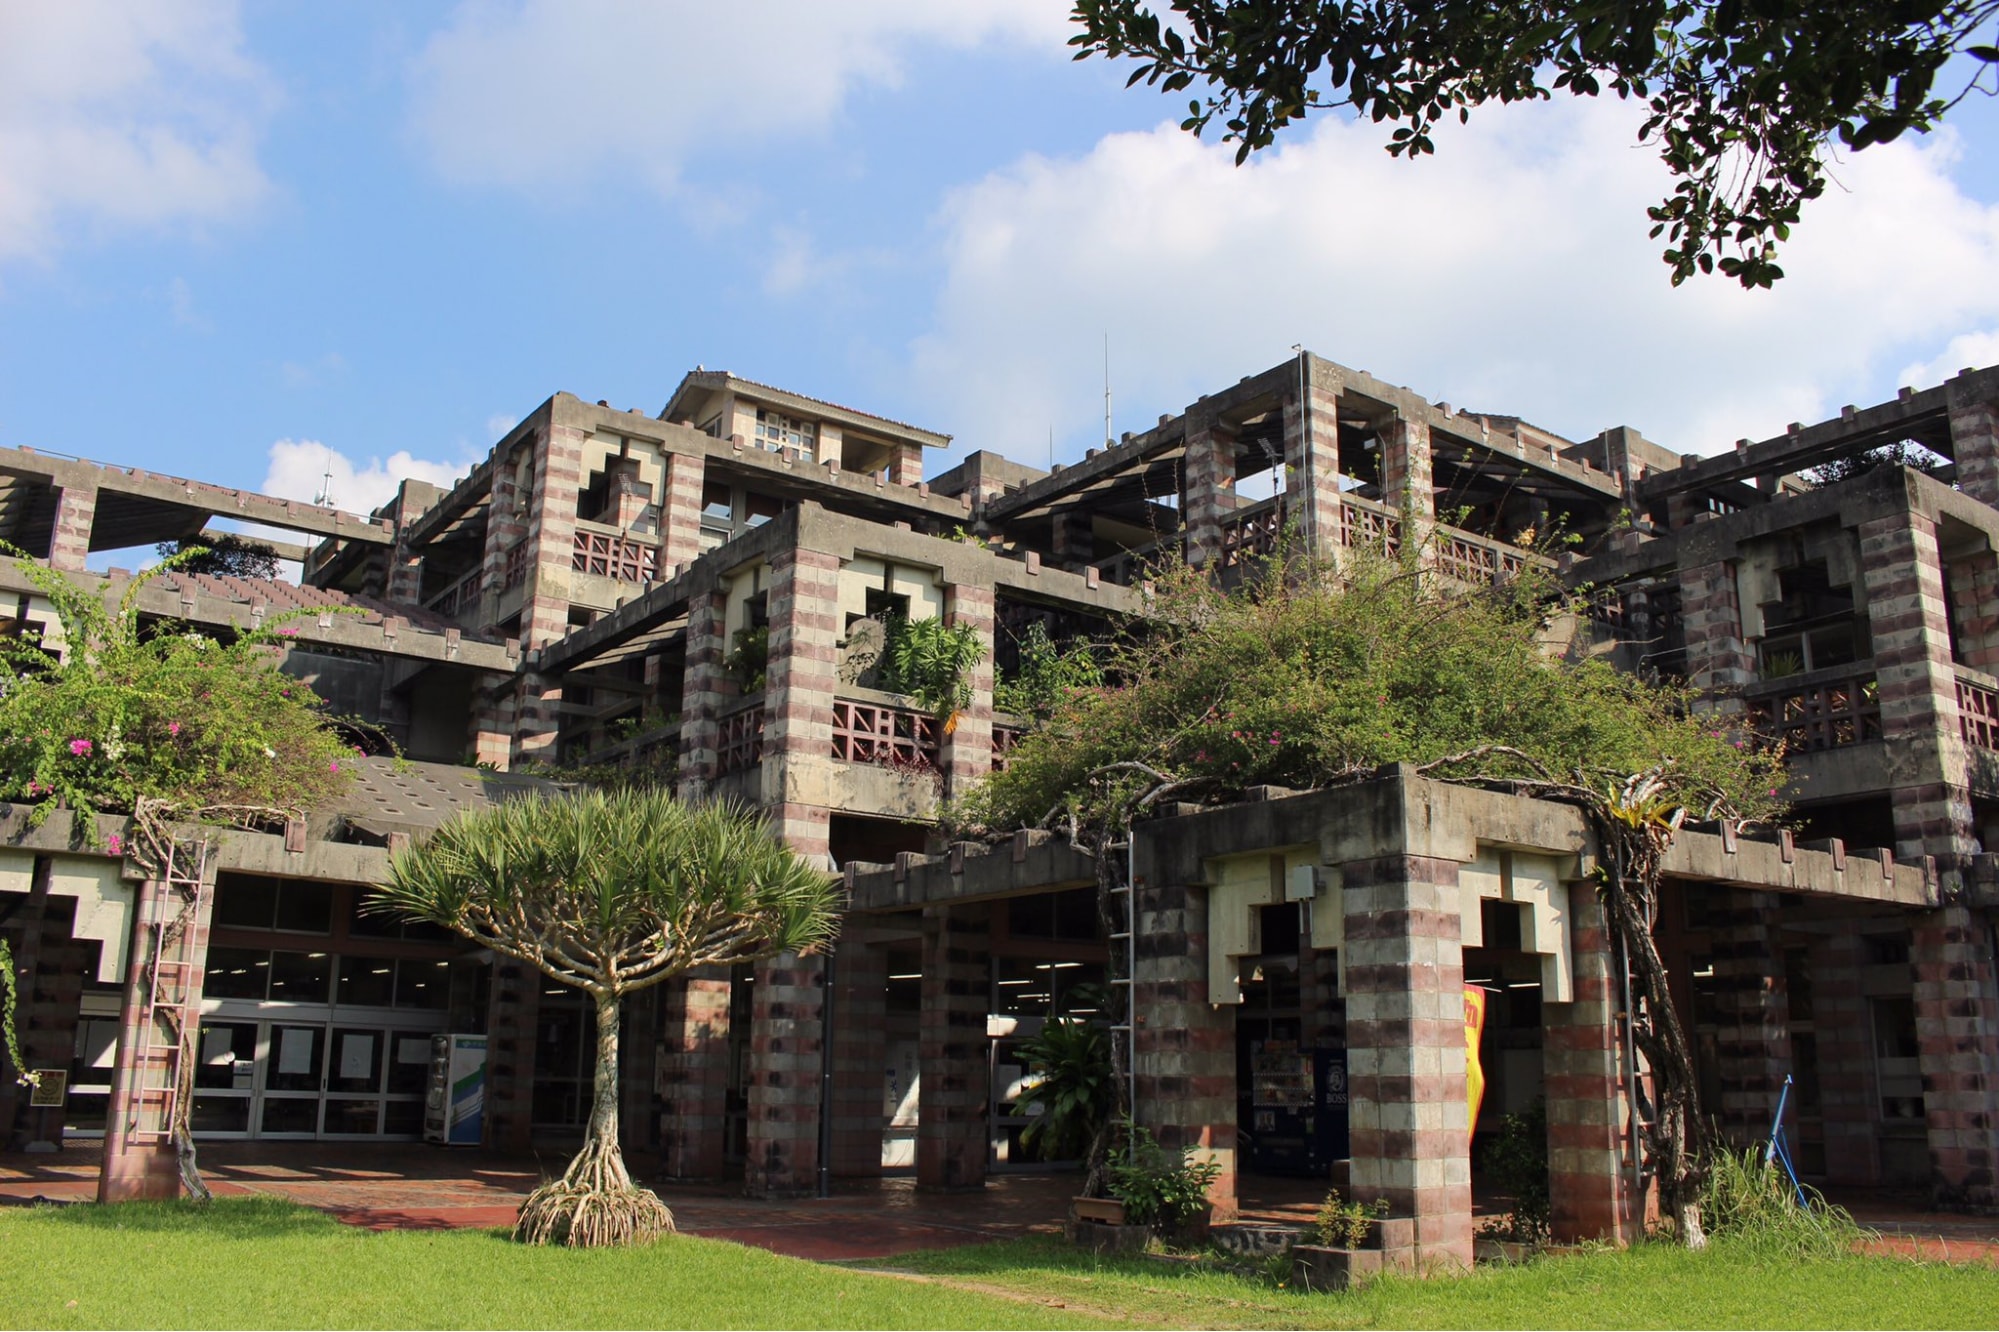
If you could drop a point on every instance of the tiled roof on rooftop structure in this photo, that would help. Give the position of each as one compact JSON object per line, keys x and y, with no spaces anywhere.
{"x":279,"y":596}
{"x":716,"y":379}
{"x":398,"y":796}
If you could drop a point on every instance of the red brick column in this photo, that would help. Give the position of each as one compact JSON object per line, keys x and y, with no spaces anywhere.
{"x":1406,"y":470}
{"x":1957,"y":1016}
{"x":905,"y":467}
{"x":49,"y":970}
{"x":1186,"y":1046}
{"x":704,"y":689}
{"x":680,"y":512}
{"x":1589,"y":1167}
{"x":952,"y":1094}
{"x":694,"y":1074}
{"x":1209,"y":469}
{"x":1974,"y":439}
{"x":966,"y":754}
{"x":784,"y":1077}
{"x":1849,"y":1099}
{"x":1406,"y":1050}
{"x":1974,"y":593}
{"x":551,"y":534}
{"x":76,"y":511}
{"x":1717,"y":657}
{"x":511,"y":1015}
{"x":506,"y":527}
{"x":1074,"y":544}
{"x":860,"y":1054}
{"x":1903,"y":572}
{"x":1753,"y":1042}
{"x":801,"y":682}
{"x":1312,"y":469}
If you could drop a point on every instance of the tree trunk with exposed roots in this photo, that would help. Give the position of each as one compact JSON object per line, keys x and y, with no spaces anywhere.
{"x":595,"y":1202}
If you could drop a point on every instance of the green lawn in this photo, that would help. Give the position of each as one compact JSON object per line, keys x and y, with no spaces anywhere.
{"x":262,"y":1263}
{"x":259,"y":1263}
{"x":1648,"y":1286}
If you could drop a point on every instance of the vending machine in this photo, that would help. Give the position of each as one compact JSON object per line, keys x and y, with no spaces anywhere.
{"x":454,"y":1109}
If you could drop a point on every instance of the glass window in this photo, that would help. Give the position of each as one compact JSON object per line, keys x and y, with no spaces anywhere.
{"x":245,"y":901}
{"x":223,"y":1114}
{"x":96,"y":1049}
{"x":423,"y":984}
{"x":353,"y":1117}
{"x":305,"y":905}
{"x":237,"y":973}
{"x":291,"y":1114}
{"x":357,"y":1060}
{"x":409,"y":1063}
{"x":301,"y":978}
{"x":226,"y":1055}
{"x":294,"y":1060}
{"x":367,"y":982}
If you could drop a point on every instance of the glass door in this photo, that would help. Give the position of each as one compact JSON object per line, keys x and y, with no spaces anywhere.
{"x":294,"y":1075}
{"x":354,"y":1082}
{"x":225,"y":1078}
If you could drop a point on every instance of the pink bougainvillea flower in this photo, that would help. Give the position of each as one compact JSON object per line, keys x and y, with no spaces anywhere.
{"x":173,"y":728}
{"x":117,"y":845}
{"x":79,"y":747}
{"x":333,"y":766}
{"x":288,"y":632}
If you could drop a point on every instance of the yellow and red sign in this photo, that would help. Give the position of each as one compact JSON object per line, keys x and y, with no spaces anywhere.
{"x":1474,"y":1072}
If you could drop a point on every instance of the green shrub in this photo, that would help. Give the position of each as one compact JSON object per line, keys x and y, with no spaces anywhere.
{"x":1343,"y":1225}
{"x":1158,"y":1187}
{"x":1074,"y":1094}
{"x":932,"y":662}
{"x":1045,"y":676}
{"x":1516,"y":1162}
{"x":1748,"y":1199}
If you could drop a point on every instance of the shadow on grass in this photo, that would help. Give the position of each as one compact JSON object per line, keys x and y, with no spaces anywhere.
{"x":226,"y":1218}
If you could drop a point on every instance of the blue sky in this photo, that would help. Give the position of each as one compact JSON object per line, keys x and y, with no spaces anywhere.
{"x":247,"y":243}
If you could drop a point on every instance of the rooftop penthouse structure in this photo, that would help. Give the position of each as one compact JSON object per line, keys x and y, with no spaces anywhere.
{"x":700,"y":591}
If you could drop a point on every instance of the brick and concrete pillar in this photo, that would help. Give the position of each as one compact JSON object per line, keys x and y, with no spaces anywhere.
{"x":1753,"y":1040}
{"x":966,"y":754}
{"x":1312,"y":464}
{"x":506,"y":527}
{"x":1209,"y":469}
{"x":1849,"y":1098}
{"x":139,"y":1157}
{"x":1957,"y":1029}
{"x":1074,"y":544}
{"x":786,"y":1067}
{"x":1917,"y":688}
{"x":905,"y":466}
{"x":694,"y":1074}
{"x":1406,"y":1050}
{"x":1718,"y":660}
{"x":801,"y":682}
{"x":1406,"y":470}
{"x":860,"y":1054}
{"x":705,"y":687}
{"x":1584,"y":1070}
{"x":1974,"y":437}
{"x":1974,"y":598}
{"x":551,"y":509}
{"x":49,"y":967}
{"x":490,"y":731}
{"x":76,"y":513}
{"x":953,"y":1098}
{"x":511,"y":1015}
{"x":1186,"y":1046}
{"x":680,"y":511}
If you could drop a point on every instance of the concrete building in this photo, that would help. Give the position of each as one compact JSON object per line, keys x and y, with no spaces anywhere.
{"x":699,"y":591}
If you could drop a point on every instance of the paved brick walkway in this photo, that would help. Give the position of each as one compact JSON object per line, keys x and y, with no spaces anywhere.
{"x":412,"y":1186}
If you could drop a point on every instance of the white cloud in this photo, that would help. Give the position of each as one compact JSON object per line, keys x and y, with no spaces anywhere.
{"x":526,"y":93}
{"x":303,"y":469}
{"x":1509,"y":273}
{"x":116,"y":115}
{"x":1966,"y":351}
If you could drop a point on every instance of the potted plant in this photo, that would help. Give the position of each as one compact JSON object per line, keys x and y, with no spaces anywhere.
{"x":1342,"y":1257}
{"x":1069,"y":1096}
{"x":1166,"y":1191}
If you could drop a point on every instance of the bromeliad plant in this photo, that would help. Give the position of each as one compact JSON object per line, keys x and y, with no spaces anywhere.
{"x":611,"y":892}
